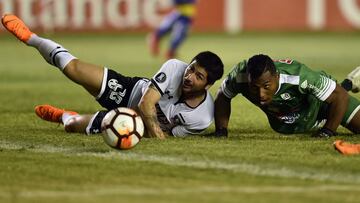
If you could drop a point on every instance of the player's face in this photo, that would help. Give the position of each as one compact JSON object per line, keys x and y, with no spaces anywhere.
{"x":264,"y":88}
{"x":195,"y":79}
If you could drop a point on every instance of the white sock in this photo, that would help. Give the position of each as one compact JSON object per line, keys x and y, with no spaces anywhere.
{"x":52,"y":52}
{"x":66,"y":117}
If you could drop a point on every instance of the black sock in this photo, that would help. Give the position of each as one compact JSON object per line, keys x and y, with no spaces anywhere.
{"x":347,"y":84}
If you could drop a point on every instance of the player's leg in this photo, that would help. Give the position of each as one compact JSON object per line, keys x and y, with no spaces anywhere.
{"x":88,"y":75}
{"x":351,"y":118}
{"x":178,"y":35}
{"x":88,"y":124}
{"x":354,"y":125}
{"x":72,"y":121}
{"x":165,"y":27}
{"x":167,"y":24}
{"x":76,"y":124}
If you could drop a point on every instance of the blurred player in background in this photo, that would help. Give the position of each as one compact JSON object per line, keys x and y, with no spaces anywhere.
{"x":176,"y":101}
{"x":178,"y":22}
{"x":295,"y":98}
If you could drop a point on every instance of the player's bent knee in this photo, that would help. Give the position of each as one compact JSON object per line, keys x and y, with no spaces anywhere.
{"x":72,"y":66}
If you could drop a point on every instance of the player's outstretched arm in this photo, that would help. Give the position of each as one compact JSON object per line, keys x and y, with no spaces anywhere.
{"x":222,"y":113}
{"x":338,"y":101}
{"x":147,"y":111}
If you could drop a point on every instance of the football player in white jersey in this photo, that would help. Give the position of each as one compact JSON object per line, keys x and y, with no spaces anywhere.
{"x":174,"y":102}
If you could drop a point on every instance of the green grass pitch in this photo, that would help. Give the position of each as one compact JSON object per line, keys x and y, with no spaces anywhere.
{"x":39,"y":162}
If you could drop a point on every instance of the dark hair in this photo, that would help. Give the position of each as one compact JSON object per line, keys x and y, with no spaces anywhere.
{"x":212,"y":64}
{"x":259,"y":64}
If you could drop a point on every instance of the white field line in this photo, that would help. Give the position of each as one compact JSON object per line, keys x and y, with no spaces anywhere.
{"x":239,"y":167}
{"x":134,"y":191}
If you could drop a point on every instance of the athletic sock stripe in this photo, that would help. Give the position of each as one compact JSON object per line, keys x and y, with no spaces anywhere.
{"x":54,"y":56}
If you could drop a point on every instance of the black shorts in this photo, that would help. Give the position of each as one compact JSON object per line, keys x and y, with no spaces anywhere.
{"x":115,"y":89}
{"x":115,"y":92}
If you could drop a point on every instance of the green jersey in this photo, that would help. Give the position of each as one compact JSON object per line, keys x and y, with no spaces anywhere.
{"x":295,"y":107}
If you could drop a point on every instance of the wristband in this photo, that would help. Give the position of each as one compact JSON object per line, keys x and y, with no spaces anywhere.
{"x":325,"y":133}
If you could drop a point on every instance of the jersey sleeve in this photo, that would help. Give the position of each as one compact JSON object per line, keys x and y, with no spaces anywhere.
{"x":164,"y":76}
{"x":316,"y":83}
{"x":231,"y":85}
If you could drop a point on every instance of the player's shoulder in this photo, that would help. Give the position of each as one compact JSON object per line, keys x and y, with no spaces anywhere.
{"x":240,"y":67}
{"x":289,"y":66}
{"x":238,"y":73}
{"x":175,"y":61}
{"x":175,"y":64}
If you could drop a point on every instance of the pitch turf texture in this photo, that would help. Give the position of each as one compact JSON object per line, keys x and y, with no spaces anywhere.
{"x":41,"y":163}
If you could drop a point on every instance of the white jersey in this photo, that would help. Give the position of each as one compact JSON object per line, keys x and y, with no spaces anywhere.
{"x":175,"y":116}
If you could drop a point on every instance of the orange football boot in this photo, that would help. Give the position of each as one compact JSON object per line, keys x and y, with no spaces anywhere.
{"x":51,"y":113}
{"x":347,"y":148}
{"x":17,"y":27}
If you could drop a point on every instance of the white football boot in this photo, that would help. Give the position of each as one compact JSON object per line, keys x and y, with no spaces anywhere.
{"x":354,"y":77}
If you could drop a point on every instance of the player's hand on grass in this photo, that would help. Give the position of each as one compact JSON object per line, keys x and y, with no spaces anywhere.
{"x":324,"y":133}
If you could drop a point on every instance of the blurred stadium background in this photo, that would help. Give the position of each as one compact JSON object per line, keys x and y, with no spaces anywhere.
{"x":231,"y":16}
{"x":41,"y":163}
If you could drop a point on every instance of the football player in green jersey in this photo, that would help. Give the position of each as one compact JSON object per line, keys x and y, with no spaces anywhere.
{"x":295,"y":98}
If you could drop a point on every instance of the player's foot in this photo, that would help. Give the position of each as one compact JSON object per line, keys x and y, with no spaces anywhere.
{"x":170,"y":54}
{"x":354,"y":77}
{"x":51,"y":113}
{"x":347,"y":148}
{"x":153,"y":42}
{"x":17,"y":27}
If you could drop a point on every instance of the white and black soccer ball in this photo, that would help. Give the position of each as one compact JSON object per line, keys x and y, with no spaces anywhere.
{"x":122,"y":128}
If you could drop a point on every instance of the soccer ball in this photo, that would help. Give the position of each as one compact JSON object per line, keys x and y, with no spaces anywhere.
{"x":122,"y":128}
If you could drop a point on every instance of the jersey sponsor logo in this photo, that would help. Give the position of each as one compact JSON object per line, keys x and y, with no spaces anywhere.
{"x":117,"y":91}
{"x":160,"y":77}
{"x":304,"y":84}
{"x":286,"y":96}
{"x":315,"y":90}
